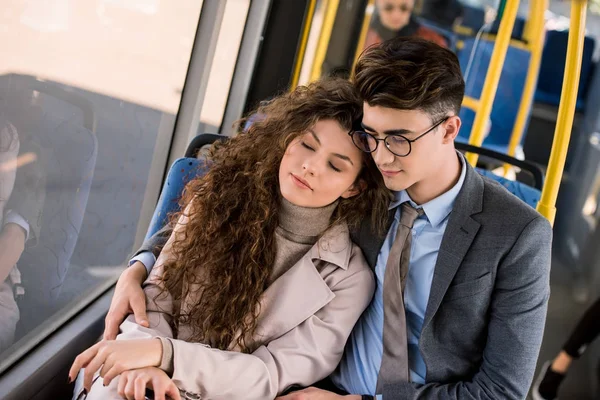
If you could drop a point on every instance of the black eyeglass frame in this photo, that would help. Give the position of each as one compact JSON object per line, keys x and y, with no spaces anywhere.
{"x":387,"y":145}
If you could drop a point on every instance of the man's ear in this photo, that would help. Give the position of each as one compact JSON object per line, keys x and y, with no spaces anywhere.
{"x":356,"y":188}
{"x":451,"y":126}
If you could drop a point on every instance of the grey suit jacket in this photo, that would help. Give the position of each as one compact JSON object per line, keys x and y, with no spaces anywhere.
{"x":485,"y":318}
{"x":484,"y":322}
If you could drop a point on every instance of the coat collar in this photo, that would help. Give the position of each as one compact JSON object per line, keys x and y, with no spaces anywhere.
{"x":334,"y":246}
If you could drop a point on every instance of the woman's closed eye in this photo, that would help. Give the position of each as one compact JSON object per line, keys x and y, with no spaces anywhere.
{"x":307,"y":146}
{"x":333,"y":167}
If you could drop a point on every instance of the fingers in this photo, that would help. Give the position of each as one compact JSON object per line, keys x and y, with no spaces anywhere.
{"x":172,"y":391}
{"x":82,"y":360}
{"x":140,"y":386}
{"x":159,"y":388}
{"x":91,"y":368}
{"x":129,"y":390}
{"x":138,"y":305}
{"x":112,"y":373}
{"x":113,"y":320}
{"x":122,"y":383}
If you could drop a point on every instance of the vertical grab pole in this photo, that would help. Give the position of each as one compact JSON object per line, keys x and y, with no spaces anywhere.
{"x":493,"y":77}
{"x":536,"y":36}
{"x":566,"y":111}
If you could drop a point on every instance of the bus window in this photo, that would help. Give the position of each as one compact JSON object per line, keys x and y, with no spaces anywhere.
{"x":89,"y":93}
{"x":223,"y":64}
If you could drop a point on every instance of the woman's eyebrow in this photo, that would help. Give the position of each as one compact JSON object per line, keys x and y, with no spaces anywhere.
{"x":340,"y":156}
{"x":315,"y":136}
{"x":343,"y":157}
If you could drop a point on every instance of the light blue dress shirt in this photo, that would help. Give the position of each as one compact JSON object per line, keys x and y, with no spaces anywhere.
{"x":358,"y":371}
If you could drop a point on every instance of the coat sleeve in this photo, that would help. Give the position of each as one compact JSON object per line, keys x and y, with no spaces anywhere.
{"x":306,"y":354}
{"x":516,"y":326}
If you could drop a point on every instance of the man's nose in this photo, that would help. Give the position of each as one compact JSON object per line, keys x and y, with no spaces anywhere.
{"x":382,"y":155}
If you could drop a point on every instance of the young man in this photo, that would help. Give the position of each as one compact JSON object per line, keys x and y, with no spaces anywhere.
{"x":459,"y":310}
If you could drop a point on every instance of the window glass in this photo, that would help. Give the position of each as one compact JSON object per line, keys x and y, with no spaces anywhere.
{"x":87,"y":90}
{"x":223,"y":65}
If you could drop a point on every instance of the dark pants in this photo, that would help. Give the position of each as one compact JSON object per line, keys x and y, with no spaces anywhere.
{"x":325,"y":384}
{"x":585,"y":332}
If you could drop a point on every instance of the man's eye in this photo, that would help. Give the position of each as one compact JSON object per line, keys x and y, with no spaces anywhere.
{"x":307,"y":146}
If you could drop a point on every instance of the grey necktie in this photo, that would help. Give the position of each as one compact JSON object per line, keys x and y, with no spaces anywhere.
{"x":394,"y":364}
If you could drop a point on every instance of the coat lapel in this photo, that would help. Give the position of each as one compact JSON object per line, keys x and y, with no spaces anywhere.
{"x":286,"y":302}
{"x":457,"y":239}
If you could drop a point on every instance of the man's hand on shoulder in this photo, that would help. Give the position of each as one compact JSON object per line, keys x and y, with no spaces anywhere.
{"x":129,"y":298}
{"x":312,"y":393}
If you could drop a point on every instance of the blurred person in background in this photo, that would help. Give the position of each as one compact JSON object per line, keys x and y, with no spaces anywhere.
{"x":12,"y":236}
{"x":394,"y":18}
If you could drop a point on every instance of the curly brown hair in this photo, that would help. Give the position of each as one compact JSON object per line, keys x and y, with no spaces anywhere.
{"x":409,"y":73}
{"x":227,"y":249}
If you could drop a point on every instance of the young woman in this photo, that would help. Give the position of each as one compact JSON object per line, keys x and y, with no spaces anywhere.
{"x":259,"y":285}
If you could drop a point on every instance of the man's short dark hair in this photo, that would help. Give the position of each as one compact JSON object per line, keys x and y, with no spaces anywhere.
{"x":410,"y":74}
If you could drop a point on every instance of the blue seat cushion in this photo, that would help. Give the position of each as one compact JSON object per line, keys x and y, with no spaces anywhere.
{"x":524,"y":192}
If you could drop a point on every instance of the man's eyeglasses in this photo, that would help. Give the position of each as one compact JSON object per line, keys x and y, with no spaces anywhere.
{"x":398,"y":145}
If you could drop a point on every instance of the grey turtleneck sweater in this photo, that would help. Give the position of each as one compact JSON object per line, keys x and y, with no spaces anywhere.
{"x":299,"y":229}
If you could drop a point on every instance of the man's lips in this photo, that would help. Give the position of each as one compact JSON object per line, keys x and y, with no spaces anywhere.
{"x":389,"y":173}
{"x":300,"y":182}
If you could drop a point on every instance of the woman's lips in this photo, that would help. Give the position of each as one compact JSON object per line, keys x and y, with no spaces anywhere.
{"x":301,"y":183}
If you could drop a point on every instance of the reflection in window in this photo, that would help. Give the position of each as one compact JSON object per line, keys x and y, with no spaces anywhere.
{"x":86,"y":89}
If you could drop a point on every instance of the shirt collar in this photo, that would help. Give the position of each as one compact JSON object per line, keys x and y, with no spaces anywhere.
{"x":439,"y":208}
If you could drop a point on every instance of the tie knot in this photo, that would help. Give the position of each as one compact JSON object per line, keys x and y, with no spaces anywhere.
{"x":409,"y":214}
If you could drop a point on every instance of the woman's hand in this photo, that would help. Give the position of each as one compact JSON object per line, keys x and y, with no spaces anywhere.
{"x":115,"y":357}
{"x":133,"y":384}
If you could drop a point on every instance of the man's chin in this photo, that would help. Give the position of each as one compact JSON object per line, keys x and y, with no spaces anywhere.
{"x":396,"y":183}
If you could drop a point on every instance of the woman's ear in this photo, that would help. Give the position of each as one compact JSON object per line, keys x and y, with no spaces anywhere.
{"x":355,"y":189}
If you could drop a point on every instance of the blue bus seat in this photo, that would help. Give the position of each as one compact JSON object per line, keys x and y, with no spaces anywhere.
{"x":510,"y":89}
{"x":181,"y":172}
{"x":529,"y":195}
{"x":552,"y":69}
{"x":473,"y":18}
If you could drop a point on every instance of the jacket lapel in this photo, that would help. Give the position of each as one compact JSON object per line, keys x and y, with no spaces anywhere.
{"x":457,"y":239}
{"x":369,"y":242}
{"x":286,"y":303}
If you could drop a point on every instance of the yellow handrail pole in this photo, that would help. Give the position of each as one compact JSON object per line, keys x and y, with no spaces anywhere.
{"x":566,"y":111}
{"x":529,"y":29}
{"x":471,"y":103}
{"x":364,"y":29}
{"x":538,"y":9}
{"x":331,"y":8}
{"x":493,"y":77}
{"x":303,"y":42}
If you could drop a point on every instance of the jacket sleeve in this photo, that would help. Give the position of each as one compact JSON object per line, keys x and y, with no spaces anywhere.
{"x":159,"y":302}
{"x":306,"y":354}
{"x":516,"y":326}
{"x":156,"y":242}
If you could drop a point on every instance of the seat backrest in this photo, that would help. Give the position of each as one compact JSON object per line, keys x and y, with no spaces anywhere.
{"x":181,"y":172}
{"x":552,"y":68}
{"x":524,"y":192}
{"x":508,"y":95}
{"x":473,"y":18}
